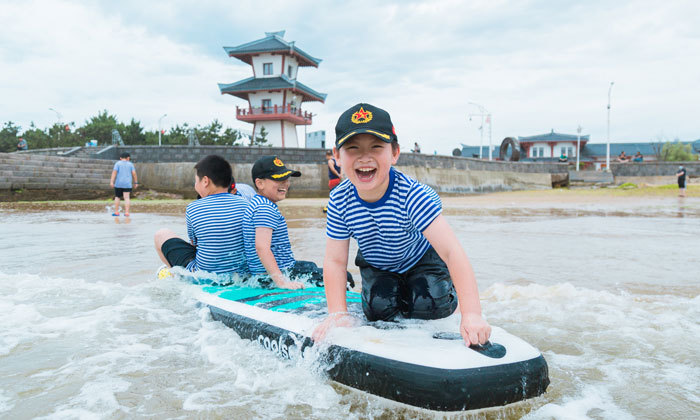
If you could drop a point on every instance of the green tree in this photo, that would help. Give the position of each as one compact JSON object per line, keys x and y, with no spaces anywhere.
{"x":230,"y":137}
{"x":677,"y":152}
{"x":259,"y":140}
{"x":36,"y":138}
{"x":177,"y":135}
{"x":132,"y":133}
{"x":151,"y":138}
{"x":8,"y":137}
{"x":99,"y":127}
{"x":60,"y":137}
{"x":209,"y":134}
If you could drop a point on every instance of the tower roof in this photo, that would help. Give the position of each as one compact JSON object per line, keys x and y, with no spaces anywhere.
{"x":242,"y":88}
{"x":272,"y":43}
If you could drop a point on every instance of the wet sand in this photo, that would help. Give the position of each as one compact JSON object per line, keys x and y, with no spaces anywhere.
{"x":557,"y":197}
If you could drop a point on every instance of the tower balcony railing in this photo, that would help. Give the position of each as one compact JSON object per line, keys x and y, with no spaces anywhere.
{"x":291,"y":113}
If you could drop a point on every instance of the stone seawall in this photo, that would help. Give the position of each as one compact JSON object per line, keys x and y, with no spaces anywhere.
{"x":170,"y":168}
{"x":654,"y":169}
{"x":179,"y":178}
{"x":45,"y":177}
{"x":653,"y":173}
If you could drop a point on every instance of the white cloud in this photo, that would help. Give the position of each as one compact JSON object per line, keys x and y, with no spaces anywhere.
{"x":79,"y":61}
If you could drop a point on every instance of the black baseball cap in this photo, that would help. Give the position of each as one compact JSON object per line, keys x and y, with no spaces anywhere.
{"x":364,"y":118}
{"x":272,"y":167}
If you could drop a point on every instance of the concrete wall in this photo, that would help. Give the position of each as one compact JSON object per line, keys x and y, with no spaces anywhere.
{"x":244,"y":154}
{"x":179,"y":178}
{"x":44,"y":177}
{"x":654,"y":169}
{"x":653,"y":173}
{"x":171,"y":168}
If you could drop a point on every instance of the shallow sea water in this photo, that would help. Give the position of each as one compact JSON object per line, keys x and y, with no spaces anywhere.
{"x":608,"y":293}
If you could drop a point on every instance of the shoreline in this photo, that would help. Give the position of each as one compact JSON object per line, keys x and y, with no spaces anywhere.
{"x":633,"y":197}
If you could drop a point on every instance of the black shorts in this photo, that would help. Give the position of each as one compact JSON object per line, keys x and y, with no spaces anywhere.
{"x":119,"y":192}
{"x":178,"y":252}
{"x":306,"y":272}
{"x":425,"y":291}
{"x":681,"y":183}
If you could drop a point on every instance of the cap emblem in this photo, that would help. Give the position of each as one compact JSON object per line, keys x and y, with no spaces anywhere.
{"x":361,"y":116}
{"x":278,"y":162}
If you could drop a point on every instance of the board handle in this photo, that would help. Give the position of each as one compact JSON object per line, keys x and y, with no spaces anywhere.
{"x":488,"y":349}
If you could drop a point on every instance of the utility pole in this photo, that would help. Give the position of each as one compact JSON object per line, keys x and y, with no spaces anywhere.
{"x":607,"y":154}
{"x":487,"y":114}
{"x":578,"y":146}
{"x":60,"y":126}
{"x":160,"y":130}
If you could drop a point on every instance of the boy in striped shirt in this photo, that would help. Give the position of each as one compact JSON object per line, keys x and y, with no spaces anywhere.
{"x":214,"y":225}
{"x":267,"y":246}
{"x":410,"y":259}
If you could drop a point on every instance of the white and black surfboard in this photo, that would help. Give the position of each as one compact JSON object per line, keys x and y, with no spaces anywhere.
{"x":411,"y":362}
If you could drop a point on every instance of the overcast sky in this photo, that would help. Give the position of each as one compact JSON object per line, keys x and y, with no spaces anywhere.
{"x":535,"y":65}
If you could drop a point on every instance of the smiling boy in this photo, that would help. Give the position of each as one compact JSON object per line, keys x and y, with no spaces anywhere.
{"x":410,"y":259}
{"x":267,"y":246}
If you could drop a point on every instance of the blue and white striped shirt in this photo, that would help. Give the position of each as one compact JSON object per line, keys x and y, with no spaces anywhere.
{"x":262,"y":212}
{"x":215,"y":227}
{"x":389,"y":232}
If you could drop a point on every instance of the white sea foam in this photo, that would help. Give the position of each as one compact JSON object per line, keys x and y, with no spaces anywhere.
{"x":90,"y":334}
{"x":593,"y":403}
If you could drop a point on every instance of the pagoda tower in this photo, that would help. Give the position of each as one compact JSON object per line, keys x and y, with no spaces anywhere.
{"x":273,"y":93}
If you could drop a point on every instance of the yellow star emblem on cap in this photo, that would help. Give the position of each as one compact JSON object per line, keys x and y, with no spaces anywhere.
{"x":278,"y":162}
{"x":361,"y":116}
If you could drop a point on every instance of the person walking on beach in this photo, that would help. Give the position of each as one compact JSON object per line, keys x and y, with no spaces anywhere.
{"x":123,"y":175}
{"x":681,"y":180}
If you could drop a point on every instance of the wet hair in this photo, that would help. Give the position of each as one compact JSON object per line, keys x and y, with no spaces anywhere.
{"x":216,"y":169}
{"x":124,"y":155}
{"x":329,"y":152}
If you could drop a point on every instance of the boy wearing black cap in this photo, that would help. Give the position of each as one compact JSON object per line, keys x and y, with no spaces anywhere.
{"x":410,"y":259}
{"x":267,"y":246}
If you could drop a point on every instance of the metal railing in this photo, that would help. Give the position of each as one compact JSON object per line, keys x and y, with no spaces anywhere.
{"x":274,"y":110}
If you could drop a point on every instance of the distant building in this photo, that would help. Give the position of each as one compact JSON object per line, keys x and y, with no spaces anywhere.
{"x":316,"y":140}
{"x":549,"y":146}
{"x":274,"y":95}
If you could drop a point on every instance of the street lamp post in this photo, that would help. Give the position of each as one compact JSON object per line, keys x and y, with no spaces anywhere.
{"x":607,"y":154}
{"x":160,"y":130}
{"x":59,"y":117}
{"x":481,"y":133}
{"x":487,"y":114}
{"x":578,"y":146}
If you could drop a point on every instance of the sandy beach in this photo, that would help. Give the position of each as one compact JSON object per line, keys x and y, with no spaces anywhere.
{"x":564,"y":197}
